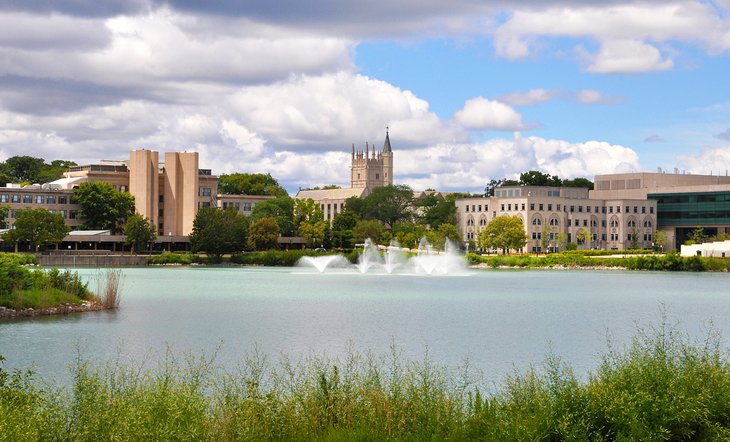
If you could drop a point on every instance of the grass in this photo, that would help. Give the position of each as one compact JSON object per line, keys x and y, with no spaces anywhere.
{"x":108,"y":288}
{"x":663,"y":386}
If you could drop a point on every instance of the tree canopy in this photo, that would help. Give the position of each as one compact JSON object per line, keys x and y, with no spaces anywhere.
{"x":217,"y":232}
{"x":102,"y":207}
{"x":37,"y":227}
{"x":503,"y":232}
{"x":263,"y":234}
{"x":250,"y":184}
{"x":387,"y":204}
{"x":27,"y":169}
{"x":140,"y":232}
{"x":537,"y":178}
{"x":281,"y":209}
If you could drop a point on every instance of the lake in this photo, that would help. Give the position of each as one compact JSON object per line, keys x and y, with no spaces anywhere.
{"x":498,"y":319}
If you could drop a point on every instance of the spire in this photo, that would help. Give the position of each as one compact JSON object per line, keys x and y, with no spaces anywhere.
{"x":353,"y":150}
{"x":386,"y":145}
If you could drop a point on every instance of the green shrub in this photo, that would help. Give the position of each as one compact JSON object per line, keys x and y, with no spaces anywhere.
{"x":172,"y":258}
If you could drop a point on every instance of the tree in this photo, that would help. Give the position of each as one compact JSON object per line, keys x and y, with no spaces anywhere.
{"x":281,"y":209}
{"x":579,"y":182}
{"x":306,"y":210}
{"x":436,"y":211}
{"x":365,"y":229}
{"x":504,"y":232}
{"x":342,"y":226}
{"x":4,"y":212}
{"x":102,"y":207}
{"x":660,"y":240}
{"x":37,"y":227}
{"x":388,"y":204}
{"x":582,"y":236}
{"x":696,"y":236}
{"x":24,"y":168}
{"x":537,"y":178}
{"x":250,"y":184}
{"x":217,"y":232}
{"x":314,"y":233}
{"x":140,"y":232}
{"x":263,"y":234}
{"x":438,"y":237}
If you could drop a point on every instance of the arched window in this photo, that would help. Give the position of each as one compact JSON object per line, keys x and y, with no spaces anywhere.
{"x":632,"y":223}
{"x":537,"y":222}
{"x":647,"y":223}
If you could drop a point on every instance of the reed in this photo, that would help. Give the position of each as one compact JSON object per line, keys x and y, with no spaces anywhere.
{"x":662,"y":386}
{"x":108,"y":287}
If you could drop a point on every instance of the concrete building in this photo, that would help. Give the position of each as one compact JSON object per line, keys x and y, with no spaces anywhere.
{"x":368,"y":170}
{"x":552,"y":214}
{"x":684,"y":202}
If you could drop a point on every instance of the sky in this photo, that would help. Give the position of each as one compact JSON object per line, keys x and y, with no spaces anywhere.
{"x":470,"y":90}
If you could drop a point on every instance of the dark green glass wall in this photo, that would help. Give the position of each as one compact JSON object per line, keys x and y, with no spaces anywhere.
{"x":692,"y":209}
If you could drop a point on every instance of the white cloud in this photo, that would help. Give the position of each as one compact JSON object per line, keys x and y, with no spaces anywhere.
{"x":591,"y":96}
{"x":628,"y":56}
{"x":480,"y":113}
{"x":709,"y":161}
{"x":533,"y":96}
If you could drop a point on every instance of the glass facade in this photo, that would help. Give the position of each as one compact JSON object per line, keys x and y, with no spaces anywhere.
{"x":692,"y":209}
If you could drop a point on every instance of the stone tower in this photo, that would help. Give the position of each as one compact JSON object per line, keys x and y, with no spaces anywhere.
{"x":371,"y":170}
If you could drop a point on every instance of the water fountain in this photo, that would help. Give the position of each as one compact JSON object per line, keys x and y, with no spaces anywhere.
{"x":394,"y":260}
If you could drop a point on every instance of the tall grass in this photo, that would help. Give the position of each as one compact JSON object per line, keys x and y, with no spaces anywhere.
{"x":663,"y":386}
{"x":108,"y":287}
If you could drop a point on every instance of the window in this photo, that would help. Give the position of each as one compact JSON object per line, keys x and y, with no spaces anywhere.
{"x":643,"y":210}
{"x":28,"y":199}
{"x":610,"y":209}
{"x":572,"y":209}
{"x":647,"y":223}
{"x":550,"y":207}
{"x":651,"y":210}
{"x":482,"y":222}
{"x":536,"y":235}
{"x":588,"y":209}
{"x":523,"y":207}
{"x":206,"y":205}
{"x":470,"y":222}
{"x":51,"y":199}
{"x":614,"y":222}
{"x":467,"y":208}
{"x":627,"y":209}
{"x":62,"y":200}
{"x":636,"y":209}
{"x":247,"y":207}
{"x":72,"y":214}
{"x":603,"y":209}
{"x":536,"y":222}
{"x":632,"y":223}
{"x":558,"y":207}
{"x":40,"y":199}
{"x":204,"y":191}
{"x":472,"y":208}
{"x":509,"y":207}
{"x":15,"y":199}
{"x":377,"y":176}
{"x":480,"y":207}
{"x":553,"y":221}
{"x":580,"y":209}
{"x":63,"y":213}
{"x":161,"y":199}
{"x":577,"y":222}
{"x":618,"y":209}
{"x":541,"y":207}
{"x":603,"y":223}
{"x":585,"y":223}
{"x":122,"y":188}
{"x":532,"y":206}
{"x":4,"y":198}
{"x":502,"y":207}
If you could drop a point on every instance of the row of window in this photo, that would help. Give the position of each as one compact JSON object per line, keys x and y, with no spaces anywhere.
{"x":247,"y":206}
{"x":37,"y":199}
{"x":329,"y":214}
{"x":576,"y":222}
{"x":509,"y":207}
{"x":66,"y":214}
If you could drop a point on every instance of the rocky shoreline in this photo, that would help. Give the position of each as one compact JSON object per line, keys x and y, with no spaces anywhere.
{"x":65,"y":309}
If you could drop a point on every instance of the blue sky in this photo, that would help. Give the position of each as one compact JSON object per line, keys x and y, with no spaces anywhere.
{"x":471,"y":90}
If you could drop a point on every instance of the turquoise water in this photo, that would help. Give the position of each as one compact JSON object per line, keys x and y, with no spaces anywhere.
{"x":499,"y":320}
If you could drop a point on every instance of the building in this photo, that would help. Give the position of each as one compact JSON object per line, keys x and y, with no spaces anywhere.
{"x":552,"y":215}
{"x":684,"y":202}
{"x":368,"y":170}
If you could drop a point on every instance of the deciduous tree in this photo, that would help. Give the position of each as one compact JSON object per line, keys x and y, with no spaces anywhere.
{"x":37,"y":227}
{"x":140,"y":232}
{"x":263,"y":234}
{"x":217,"y":232}
{"x":103,"y":207}
{"x":250,"y":184}
{"x":281,"y":209}
{"x":504,"y":232}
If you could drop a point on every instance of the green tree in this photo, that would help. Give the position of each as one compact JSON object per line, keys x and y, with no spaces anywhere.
{"x":217,"y":232}
{"x":24,"y":168}
{"x":140,"y":232}
{"x":37,"y":227}
{"x":281,"y":209}
{"x":4,"y":212}
{"x":264,"y":234}
{"x":367,"y":228}
{"x":306,"y":210}
{"x":696,"y":236}
{"x":579,"y":182}
{"x":438,"y":237}
{"x":342,"y":226}
{"x":435,"y":211}
{"x":582,"y":236}
{"x":102,"y":207}
{"x":504,"y":232}
{"x":537,"y":178}
{"x":409,"y":234}
{"x":314,"y":233}
{"x":660,"y":240}
{"x":250,"y":184}
{"x":388,"y":204}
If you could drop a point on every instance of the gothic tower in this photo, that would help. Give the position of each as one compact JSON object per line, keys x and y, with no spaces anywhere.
{"x":370,"y":170}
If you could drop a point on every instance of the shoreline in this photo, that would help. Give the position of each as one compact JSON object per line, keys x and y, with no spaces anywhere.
{"x":64,"y":309}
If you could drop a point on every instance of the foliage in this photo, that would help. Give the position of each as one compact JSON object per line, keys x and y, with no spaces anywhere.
{"x":4,"y":212}
{"x":140,"y":232}
{"x":103,"y":207}
{"x":22,"y":288}
{"x":696,"y":236}
{"x":250,"y":184}
{"x":662,"y":386}
{"x":281,"y":209}
{"x":408,"y":234}
{"x":263,"y":234}
{"x":537,"y":178}
{"x":365,"y":229}
{"x":342,"y":229}
{"x":172,"y":258}
{"x":37,"y":227}
{"x":387,"y":204}
{"x":660,"y":239}
{"x":578,"y":182}
{"x":216,"y":231}
{"x":314,"y":233}
{"x":306,"y":210}
{"x":275,"y":258}
{"x":436,"y":211}
{"x":504,"y":232}
{"x":583,"y":235}
{"x":438,"y":237}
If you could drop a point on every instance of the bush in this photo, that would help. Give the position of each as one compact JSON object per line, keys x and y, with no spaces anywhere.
{"x":172,"y":258}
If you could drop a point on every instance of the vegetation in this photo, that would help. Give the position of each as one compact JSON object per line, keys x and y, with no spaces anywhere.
{"x":504,"y":232}
{"x":250,"y":184}
{"x":263,"y":235}
{"x":537,"y":178}
{"x":173,"y":258}
{"x":38,"y":227}
{"x":216,"y":232}
{"x":29,"y":170}
{"x":103,"y":207}
{"x":663,"y":386}
{"x":140,"y":232}
{"x":273,"y":258}
{"x":388,"y":205}
{"x":281,"y":209}
{"x":21,"y":288}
